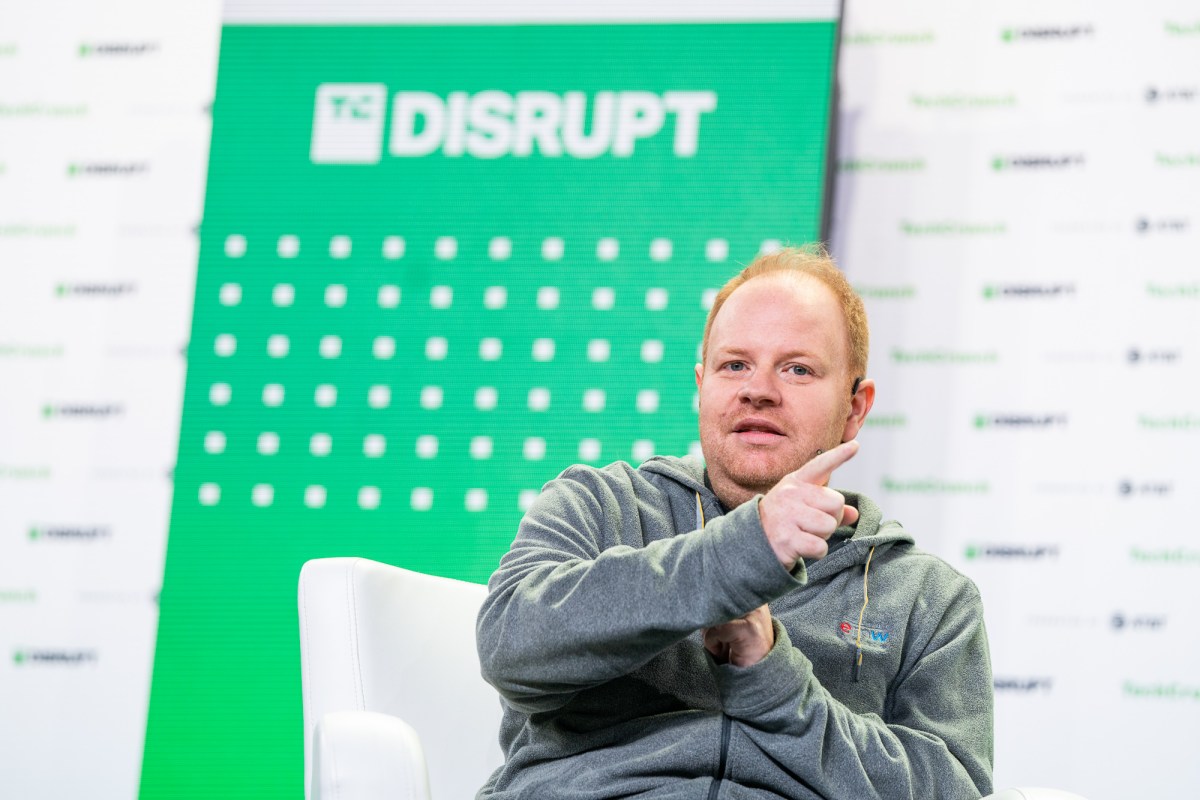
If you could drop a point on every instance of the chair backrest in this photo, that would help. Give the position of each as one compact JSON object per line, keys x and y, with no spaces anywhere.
{"x":380,"y":638}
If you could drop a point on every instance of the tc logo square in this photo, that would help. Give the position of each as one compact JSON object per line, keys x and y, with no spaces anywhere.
{"x":348,"y":123}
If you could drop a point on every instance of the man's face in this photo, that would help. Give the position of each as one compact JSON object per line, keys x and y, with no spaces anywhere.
{"x":775,"y":386}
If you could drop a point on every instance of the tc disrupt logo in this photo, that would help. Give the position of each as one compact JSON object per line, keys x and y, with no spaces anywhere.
{"x":348,"y":123}
{"x":1011,"y":552}
{"x":1044,"y":33}
{"x":1023,"y":685}
{"x":1026,"y":421}
{"x":1028,"y":291}
{"x":76,"y":533}
{"x":1059,"y":161}
{"x":54,"y":657}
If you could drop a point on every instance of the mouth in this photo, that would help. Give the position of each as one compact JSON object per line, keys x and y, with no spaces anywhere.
{"x":754,"y":430}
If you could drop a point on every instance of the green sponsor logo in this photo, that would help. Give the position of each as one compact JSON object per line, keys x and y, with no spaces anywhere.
{"x":47,"y":411}
{"x":1033,"y":421}
{"x":1176,"y":160}
{"x":1173,"y":28}
{"x":117,"y":49}
{"x":953,"y":228}
{"x":1169,"y":422}
{"x":972,"y":552}
{"x":27,"y":110}
{"x":1185,"y":291}
{"x":25,"y":472}
{"x":887,"y":421}
{"x":867,"y":38}
{"x":17,"y":595}
{"x":18,"y":657}
{"x":36,"y":231}
{"x":27,"y":350}
{"x":944,"y":356}
{"x":1046,"y":33}
{"x":956,"y":101}
{"x":8,"y":49}
{"x":3,"y":168}
{"x":882,"y":165}
{"x":1177,"y":556}
{"x":871,"y":292}
{"x":33,"y":533}
{"x":934,"y":486}
{"x":1160,"y":691}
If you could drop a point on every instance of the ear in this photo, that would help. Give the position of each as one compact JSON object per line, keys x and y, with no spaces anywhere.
{"x":860,"y":405}
{"x":699,"y":375}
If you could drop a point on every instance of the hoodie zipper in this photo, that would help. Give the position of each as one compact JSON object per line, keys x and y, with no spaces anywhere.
{"x":726,"y":725}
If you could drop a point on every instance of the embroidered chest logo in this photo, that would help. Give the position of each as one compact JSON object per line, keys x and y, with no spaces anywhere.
{"x":875,"y":638}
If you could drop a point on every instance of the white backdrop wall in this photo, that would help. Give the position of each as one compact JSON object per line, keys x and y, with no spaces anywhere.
{"x":1016,"y":198}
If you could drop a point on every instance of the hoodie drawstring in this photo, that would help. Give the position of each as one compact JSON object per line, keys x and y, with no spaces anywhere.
{"x":861,"y":611}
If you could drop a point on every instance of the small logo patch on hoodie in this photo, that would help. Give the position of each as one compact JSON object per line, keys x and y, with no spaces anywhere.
{"x":877,"y":638}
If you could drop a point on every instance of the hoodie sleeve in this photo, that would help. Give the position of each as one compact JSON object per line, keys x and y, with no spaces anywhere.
{"x":568,"y":609}
{"x":936,"y":742}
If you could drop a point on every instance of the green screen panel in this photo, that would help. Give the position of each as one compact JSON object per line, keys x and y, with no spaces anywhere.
{"x":392,"y":352}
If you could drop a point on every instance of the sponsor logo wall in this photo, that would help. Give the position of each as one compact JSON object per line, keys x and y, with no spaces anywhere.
{"x":1016,"y":201}
{"x":104,"y":131}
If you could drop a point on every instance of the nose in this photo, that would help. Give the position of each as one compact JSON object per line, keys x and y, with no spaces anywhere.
{"x":760,"y":389}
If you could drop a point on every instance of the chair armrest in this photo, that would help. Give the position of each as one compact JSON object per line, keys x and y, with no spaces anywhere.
{"x":364,"y":755}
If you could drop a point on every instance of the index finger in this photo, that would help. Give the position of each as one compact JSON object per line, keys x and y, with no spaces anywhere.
{"x":820,"y":468}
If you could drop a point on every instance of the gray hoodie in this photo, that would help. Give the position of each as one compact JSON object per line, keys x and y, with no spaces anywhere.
{"x":590,"y":632}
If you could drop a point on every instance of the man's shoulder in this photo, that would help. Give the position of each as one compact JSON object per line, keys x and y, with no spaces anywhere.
{"x":668,"y":474}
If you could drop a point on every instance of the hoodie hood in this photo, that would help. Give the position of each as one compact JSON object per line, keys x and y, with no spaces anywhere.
{"x":849,"y":545}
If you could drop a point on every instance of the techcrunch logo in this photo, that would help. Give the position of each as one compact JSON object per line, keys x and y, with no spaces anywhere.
{"x":17,"y":595}
{"x":70,"y":532}
{"x":934,"y":486}
{"x":1024,"y":291}
{"x":1188,"y":291}
{"x":1011,"y":552}
{"x":882,"y":165}
{"x":25,"y":472}
{"x":889,"y":37}
{"x":68,"y":658}
{"x":887,"y":421}
{"x":1170,"y":422}
{"x":903,"y":292}
{"x":1160,"y":691}
{"x":963,"y":101}
{"x":1064,"y":161}
{"x":1036,"y":421}
{"x":953,"y":228}
{"x":1173,"y":28}
{"x":1177,"y":556}
{"x":1169,"y":161}
{"x":944,"y":357}
{"x":1047,"y":33}
{"x":348,"y":123}
{"x":31,"y":350}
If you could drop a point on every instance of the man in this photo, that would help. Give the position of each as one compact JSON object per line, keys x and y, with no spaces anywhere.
{"x":740,"y":630}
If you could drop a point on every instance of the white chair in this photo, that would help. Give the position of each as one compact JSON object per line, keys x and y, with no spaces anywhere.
{"x":394,"y":706}
{"x":391,"y":684}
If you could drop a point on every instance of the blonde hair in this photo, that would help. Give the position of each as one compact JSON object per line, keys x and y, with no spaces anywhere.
{"x":814,"y":261}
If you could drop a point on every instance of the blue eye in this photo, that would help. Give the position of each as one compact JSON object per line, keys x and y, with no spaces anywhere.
{"x":735,"y":366}
{"x":800,"y":370}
